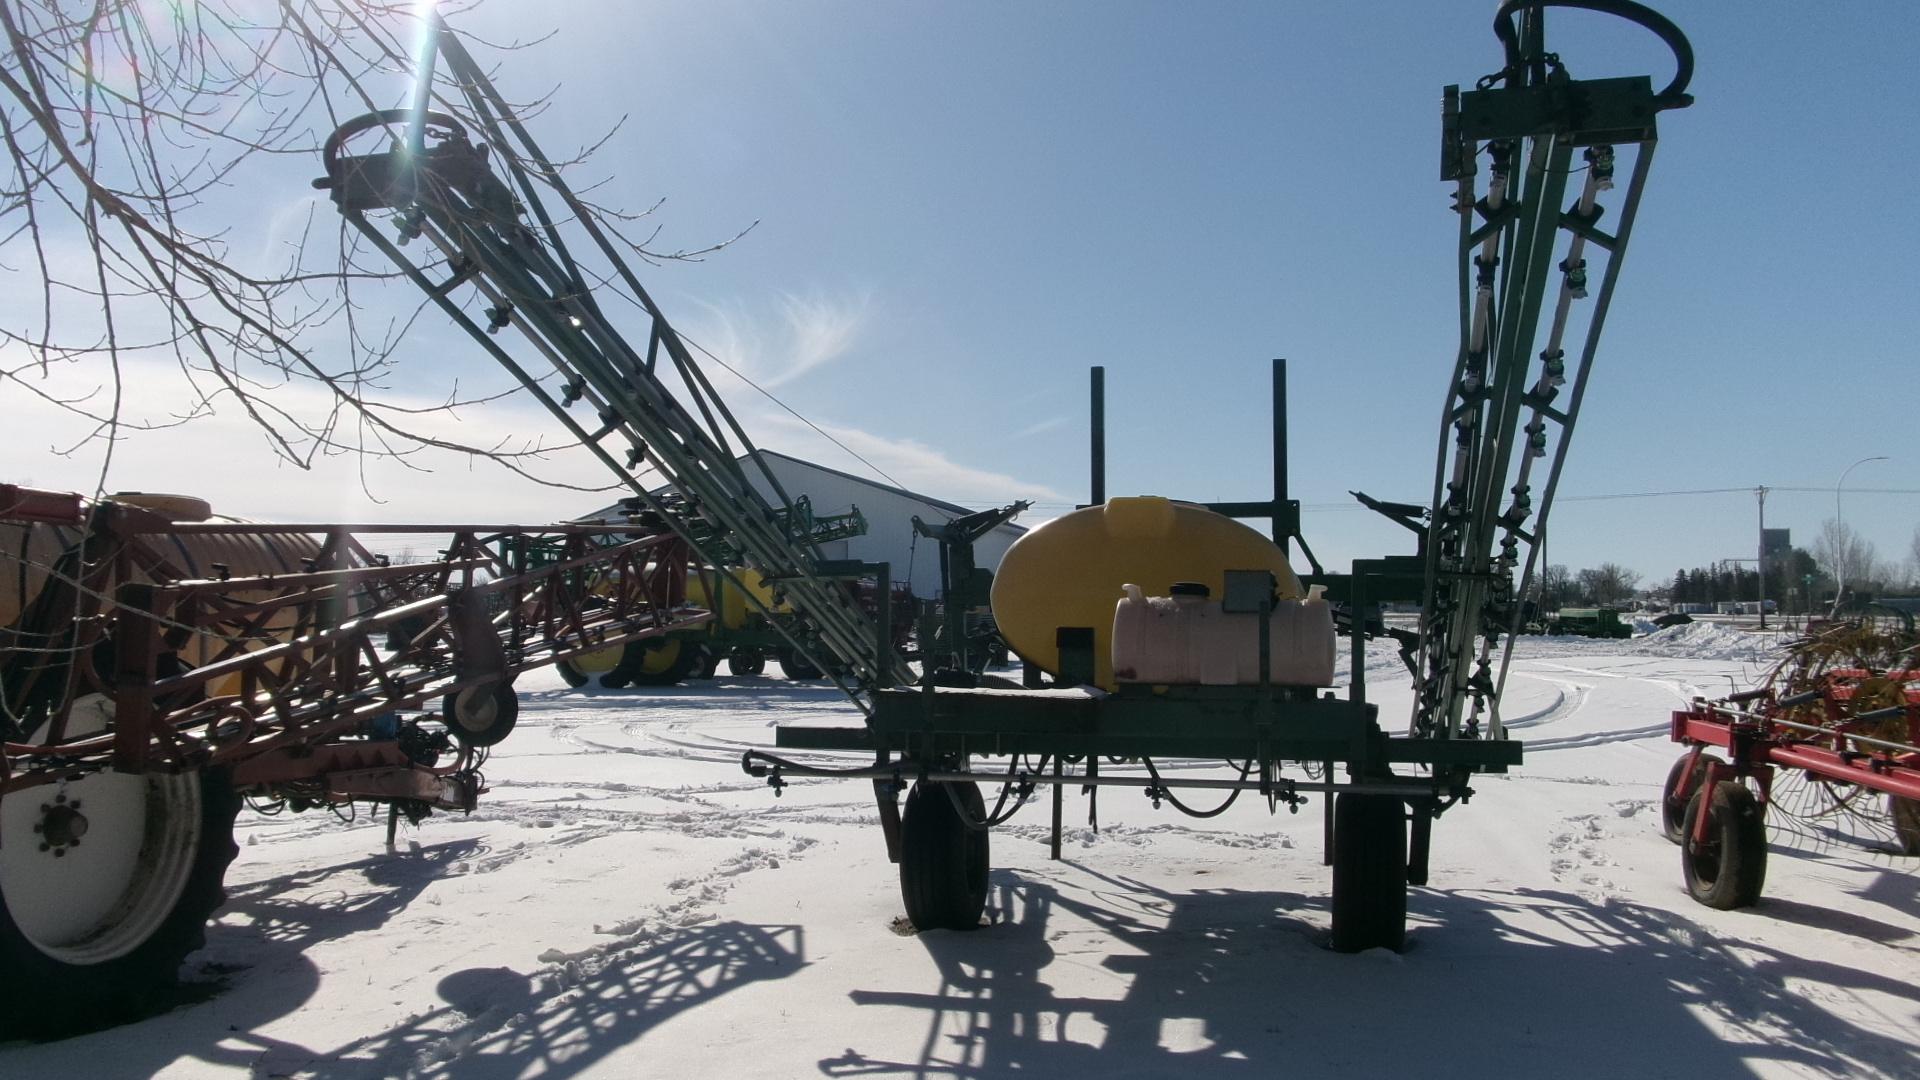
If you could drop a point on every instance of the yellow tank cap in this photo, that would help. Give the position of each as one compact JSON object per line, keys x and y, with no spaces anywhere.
{"x":1070,"y":571}
{"x":171,"y":507}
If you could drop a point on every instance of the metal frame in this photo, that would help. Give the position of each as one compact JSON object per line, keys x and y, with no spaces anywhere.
{"x":504,"y":241}
{"x":1527,"y":119}
{"x":294,"y":661}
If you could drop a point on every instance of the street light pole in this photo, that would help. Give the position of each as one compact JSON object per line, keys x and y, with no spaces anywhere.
{"x":1840,"y":535}
{"x":1761,"y":493}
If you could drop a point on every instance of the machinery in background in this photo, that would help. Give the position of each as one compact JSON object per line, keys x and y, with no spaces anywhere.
{"x":959,"y":636}
{"x":160,"y":667}
{"x":753,"y":623}
{"x":1831,"y":737}
{"x":1582,"y":622}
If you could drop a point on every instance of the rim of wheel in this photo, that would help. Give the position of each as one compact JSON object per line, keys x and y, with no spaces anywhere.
{"x":476,"y":707}
{"x":91,"y":868}
{"x":659,"y":659}
{"x":599,"y":661}
{"x":1704,"y":856}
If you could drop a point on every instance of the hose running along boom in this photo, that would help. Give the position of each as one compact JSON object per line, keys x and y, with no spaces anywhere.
{"x":1515,"y":397}
{"x":441,"y":180}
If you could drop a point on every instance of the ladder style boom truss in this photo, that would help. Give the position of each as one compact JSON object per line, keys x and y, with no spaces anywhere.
{"x":442,"y":179}
{"x":1515,"y":397}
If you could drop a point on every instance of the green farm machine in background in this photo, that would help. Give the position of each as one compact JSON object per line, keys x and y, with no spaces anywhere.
{"x":753,"y":624}
{"x":1586,"y":622}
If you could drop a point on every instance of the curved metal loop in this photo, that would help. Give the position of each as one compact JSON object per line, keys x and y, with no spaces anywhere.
{"x":1673,"y":97}
{"x":330,"y":152}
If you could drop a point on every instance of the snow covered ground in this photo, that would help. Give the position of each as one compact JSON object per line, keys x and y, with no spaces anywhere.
{"x":627,"y":903}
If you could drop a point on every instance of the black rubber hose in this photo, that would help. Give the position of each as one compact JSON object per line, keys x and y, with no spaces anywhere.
{"x":1673,"y":97}
{"x":330,"y":152}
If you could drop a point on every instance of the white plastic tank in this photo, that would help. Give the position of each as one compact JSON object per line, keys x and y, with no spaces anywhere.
{"x":1186,"y":638}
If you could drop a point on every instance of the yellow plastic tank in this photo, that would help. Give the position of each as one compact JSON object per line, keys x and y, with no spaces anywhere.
{"x":1070,"y":571}
{"x":733,"y":610}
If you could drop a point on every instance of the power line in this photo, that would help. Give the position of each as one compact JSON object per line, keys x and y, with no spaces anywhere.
{"x":1336,"y":507}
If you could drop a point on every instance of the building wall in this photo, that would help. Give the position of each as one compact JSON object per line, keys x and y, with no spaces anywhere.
{"x":889,"y":513}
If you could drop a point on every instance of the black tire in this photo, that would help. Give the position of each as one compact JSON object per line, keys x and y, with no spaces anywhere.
{"x":580,"y":669}
{"x":571,"y":675}
{"x":797,"y":667}
{"x":481,"y":715}
{"x":943,"y":863}
{"x":1369,"y":873}
{"x":1730,"y":868}
{"x":46,"y":993}
{"x":659,"y":662}
{"x":709,"y":664}
{"x":1673,"y":804}
{"x":1906,"y":823}
{"x":747,"y":662}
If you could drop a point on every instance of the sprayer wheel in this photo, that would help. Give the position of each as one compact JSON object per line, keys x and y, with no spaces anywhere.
{"x":1906,"y":823}
{"x":796,"y":667}
{"x":106,"y":885}
{"x":1728,"y":870}
{"x":1369,"y":872}
{"x":660,"y":661}
{"x":944,"y":858}
{"x":482,"y":715}
{"x":1673,"y":800}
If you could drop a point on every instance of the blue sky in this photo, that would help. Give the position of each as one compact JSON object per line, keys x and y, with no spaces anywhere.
{"x":961,"y":207}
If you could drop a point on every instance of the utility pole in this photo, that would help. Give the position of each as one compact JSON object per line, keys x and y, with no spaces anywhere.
{"x":1761,"y":493}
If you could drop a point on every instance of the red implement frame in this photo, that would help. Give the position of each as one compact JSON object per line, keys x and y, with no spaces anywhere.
{"x":1759,"y":733}
{"x":290,"y":675}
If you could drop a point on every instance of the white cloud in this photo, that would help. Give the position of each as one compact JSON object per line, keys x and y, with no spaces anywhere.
{"x":804,"y":334}
{"x":225,"y":458}
{"x":1048,"y":424}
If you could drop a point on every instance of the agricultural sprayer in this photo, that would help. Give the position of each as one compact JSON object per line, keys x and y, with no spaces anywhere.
{"x":457,"y":193}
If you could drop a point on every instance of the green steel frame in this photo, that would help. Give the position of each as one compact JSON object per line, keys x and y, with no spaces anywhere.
{"x":1478,"y":540}
{"x":649,"y":413}
{"x":1527,"y":119}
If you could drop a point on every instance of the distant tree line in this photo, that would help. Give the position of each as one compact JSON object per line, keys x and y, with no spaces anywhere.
{"x":1601,"y":586}
{"x":1795,"y":574}
{"x":1801,"y":580}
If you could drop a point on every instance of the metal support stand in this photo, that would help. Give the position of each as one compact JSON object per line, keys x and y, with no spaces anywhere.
{"x":1058,"y":808}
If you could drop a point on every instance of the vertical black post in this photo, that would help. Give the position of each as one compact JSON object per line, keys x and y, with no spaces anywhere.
{"x":1326,"y":838}
{"x":1283,"y":524}
{"x":1058,"y":796}
{"x":950,"y":617}
{"x":883,"y":626}
{"x":1099,"y":435}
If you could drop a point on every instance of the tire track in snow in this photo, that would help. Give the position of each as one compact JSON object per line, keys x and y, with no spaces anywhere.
{"x":1569,"y":698}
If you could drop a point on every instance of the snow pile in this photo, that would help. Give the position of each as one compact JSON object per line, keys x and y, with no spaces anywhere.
{"x":1704,"y":641}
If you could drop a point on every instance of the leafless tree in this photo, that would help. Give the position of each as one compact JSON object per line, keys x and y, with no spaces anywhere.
{"x":1845,"y":555}
{"x":140,"y":137}
{"x":1609,"y":583}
